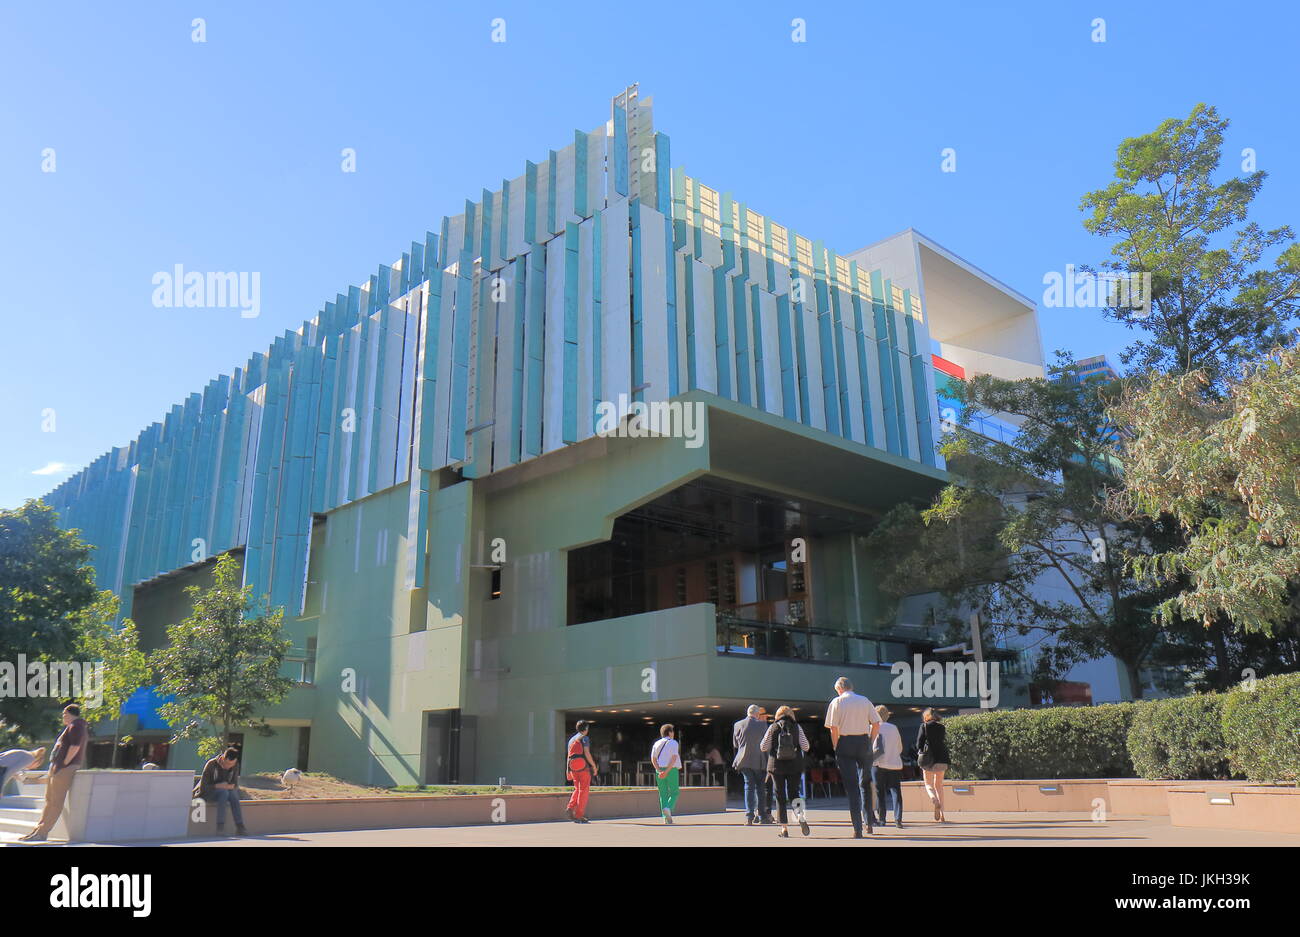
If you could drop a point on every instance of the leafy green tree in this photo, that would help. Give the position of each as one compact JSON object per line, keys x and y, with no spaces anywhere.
{"x":1224,"y":291}
{"x":45,"y":584}
{"x":1027,"y":514}
{"x":117,"y":647}
{"x":1216,"y":300}
{"x":1228,"y":471}
{"x":12,"y":737}
{"x":1220,"y":656}
{"x":222,"y":663}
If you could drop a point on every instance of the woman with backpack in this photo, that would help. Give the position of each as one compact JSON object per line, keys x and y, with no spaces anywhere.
{"x":932,"y":758}
{"x":785,"y":745}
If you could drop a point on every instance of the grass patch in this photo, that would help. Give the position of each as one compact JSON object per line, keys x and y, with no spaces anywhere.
{"x":317,"y":785}
{"x":489,"y":789}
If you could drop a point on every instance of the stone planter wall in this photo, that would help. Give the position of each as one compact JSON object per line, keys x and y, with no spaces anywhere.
{"x":1008,"y":796}
{"x":1136,"y":797}
{"x":402,"y":811}
{"x":1238,"y":807}
{"x":117,"y":806}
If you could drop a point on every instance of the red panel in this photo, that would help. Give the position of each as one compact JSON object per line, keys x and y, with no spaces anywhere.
{"x":948,"y":368}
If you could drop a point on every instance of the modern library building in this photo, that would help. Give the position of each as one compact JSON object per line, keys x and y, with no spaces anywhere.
{"x":604,"y":446}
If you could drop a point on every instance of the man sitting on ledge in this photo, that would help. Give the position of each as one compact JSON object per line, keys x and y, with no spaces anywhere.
{"x":220,"y":784}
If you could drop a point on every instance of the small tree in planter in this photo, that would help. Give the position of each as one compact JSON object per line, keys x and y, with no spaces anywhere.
{"x":117,"y":647}
{"x":222,"y":663}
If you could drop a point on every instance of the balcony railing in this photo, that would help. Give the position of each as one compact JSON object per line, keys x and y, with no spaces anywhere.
{"x":741,"y":637}
{"x":744,"y":637}
{"x":986,"y":425}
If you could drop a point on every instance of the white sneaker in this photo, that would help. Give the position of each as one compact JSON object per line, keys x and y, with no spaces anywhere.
{"x":668,"y":816}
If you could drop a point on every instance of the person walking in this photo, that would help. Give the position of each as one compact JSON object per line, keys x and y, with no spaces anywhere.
{"x":666,"y":757}
{"x":747,"y":735}
{"x":219,"y":784}
{"x":68,"y":754}
{"x":579,"y":768}
{"x":854,"y":722}
{"x":887,"y":767}
{"x":932,"y":756}
{"x":785,"y":744}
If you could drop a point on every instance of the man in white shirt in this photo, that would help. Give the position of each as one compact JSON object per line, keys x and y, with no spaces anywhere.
{"x":666,"y":757}
{"x":854,"y":722}
{"x":887,"y":771}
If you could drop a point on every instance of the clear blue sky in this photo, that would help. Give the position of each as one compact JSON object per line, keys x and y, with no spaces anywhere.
{"x":225,"y":155}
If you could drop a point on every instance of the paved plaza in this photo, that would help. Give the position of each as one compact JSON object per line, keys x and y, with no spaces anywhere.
{"x":830,"y":827}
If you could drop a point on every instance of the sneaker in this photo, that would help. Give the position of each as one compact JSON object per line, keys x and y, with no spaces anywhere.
{"x":582,"y":820}
{"x":568,"y":812}
{"x":749,"y":821}
{"x":221,"y":831}
{"x":784,"y":834}
{"x":240,"y":831}
{"x":803,"y":828}
{"x":768,"y":821}
{"x":857,"y":834}
{"x":668,"y":816}
{"x":899,"y":823}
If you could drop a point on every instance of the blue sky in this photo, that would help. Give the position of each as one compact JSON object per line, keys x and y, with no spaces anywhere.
{"x":225,"y":155}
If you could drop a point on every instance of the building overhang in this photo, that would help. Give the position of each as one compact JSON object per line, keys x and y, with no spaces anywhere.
{"x":980,"y":323}
{"x":765,"y":450}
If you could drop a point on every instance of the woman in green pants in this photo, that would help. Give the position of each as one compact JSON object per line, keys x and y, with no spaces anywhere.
{"x":666,"y":758}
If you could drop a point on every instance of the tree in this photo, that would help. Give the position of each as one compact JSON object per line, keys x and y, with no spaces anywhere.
{"x":1214,"y":303}
{"x":45,"y":584}
{"x":1219,"y":657}
{"x":1224,"y":291}
{"x":117,"y":648}
{"x":1228,"y":472}
{"x":222,"y":663}
{"x":1030,"y":514}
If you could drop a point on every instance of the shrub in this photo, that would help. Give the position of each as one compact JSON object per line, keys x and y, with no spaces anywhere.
{"x":980,"y":745}
{"x":1261,"y":727}
{"x":13,"y":737}
{"x":1179,"y":739}
{"x":1252,"y":733}
{"x":1061,"y":742}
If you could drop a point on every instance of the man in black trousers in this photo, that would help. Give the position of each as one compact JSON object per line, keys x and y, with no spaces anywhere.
{"x":854,"y":723}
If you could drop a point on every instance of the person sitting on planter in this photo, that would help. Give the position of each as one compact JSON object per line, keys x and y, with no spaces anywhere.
{"x":220,"y":785}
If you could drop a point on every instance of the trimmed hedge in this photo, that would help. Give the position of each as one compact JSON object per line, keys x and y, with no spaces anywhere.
{"x":1261,"y":729}
{"x":1252,"y":733}
{"x":1179,"y":739}
{"x":1061,"y":742}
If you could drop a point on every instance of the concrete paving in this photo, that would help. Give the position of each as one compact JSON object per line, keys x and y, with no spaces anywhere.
{"x":830,"y":827}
